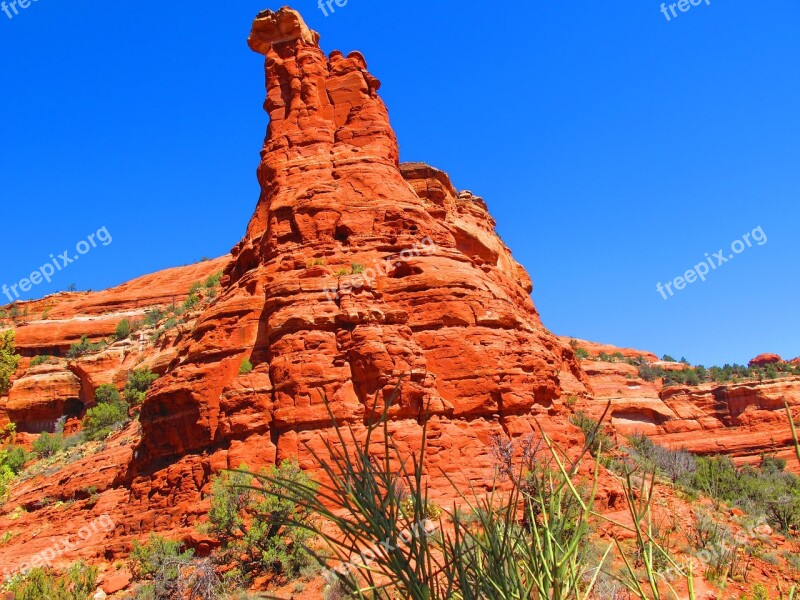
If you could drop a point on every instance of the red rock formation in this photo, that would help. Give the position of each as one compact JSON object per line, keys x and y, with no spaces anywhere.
{"x":596,"y":349}
{"x":440,"y":301}
{"x":55,"y":322}
{"x":41,"y":395}
{"x":762,"y":360}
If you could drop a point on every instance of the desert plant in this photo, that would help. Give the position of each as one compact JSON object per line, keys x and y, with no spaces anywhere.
{"x":76,"y":583}
{"x":107,"y":394}
{"x":385,"y":544}
{"x":84,"y":347}
{"x":246,"y":367}
{"x":249,"y":518}
{"x":596,"y":438}
{"x":159,"y":562}
{"x":9,"y":360}
{"x":123,"y":330}
{"x":153,"y":317}
{"x":48,"y":444}
{"x":213,"y":280}
{"x":12,"y":461}
{"x":139,"y":381}
{"x":41,"y":360}
{"x":103,"y":419}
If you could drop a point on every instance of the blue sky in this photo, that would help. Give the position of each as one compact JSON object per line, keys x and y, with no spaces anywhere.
{"x":613,"y":147}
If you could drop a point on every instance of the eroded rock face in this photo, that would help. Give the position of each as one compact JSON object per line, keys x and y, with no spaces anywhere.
{"x":440,"y":301}
{"x":42,"y":396}
{"x":762,"y":360}
{"x":742,"y":420}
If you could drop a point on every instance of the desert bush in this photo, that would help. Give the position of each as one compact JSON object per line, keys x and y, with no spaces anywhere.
{"x":377,"y":500}
{"x":649,"y":373}
{"x":154,"y":316}
{"x":84,"y":347}
{"x":48,"y":444}
{"x":41,"y":360}
{"x":159,"y":563}
{"x":139,"y":381}
{"x":246,"y":367}
{"x":123,"y":330}
{"x":9,"y":360}
{"x":249,"y":518}
{"x":192,"y":301}
{"x":76,"y":583}
{"x":598,"y":441}
{"x":107,"y":394}
{"x":104,"y":419}
{"x":12,"y":461}
{"x":213,"y":280}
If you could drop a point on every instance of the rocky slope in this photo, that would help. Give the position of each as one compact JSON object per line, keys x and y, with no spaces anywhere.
{"x":743,"y":420}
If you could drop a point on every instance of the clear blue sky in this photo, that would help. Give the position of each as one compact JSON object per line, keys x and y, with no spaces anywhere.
{"x":614,"y":148}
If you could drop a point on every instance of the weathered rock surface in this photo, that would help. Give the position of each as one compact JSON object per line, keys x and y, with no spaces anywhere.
{"x":440,"y":300}
{"x":65,"y":388}
{"x":762,"y":360}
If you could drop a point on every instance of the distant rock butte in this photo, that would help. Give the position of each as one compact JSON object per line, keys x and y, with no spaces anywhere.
{"x":355,"y":271}
{"x":763,"y":360}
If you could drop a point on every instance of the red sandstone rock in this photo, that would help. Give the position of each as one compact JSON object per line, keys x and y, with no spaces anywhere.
{"x":594,"y":349}
{"x":441,"y":302}
{"x":763,"y":360}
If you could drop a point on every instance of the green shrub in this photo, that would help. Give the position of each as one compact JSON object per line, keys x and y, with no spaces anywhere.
{"x":153,"y":317}
{"x":107,"y":394}
{"x":48,"y":444}
{"x":9,"y":360}
{"x":123,"y":331}
{"x":12,"y":461}
{"x":246,"y":367}
{"x":77,"y":583}
{"x":41,"y":360}
{"x":597,"y":440}
{"x":159,"y":562}
{"x":649,"y":373}
{"x":213,"y":280}
{"x":357,"y":269}
{"x":772,"y":464}
{"x":104,"y":419}
{"x":84,"y":347}
{"x":251,"y":524}
{"x":192,"y":301}
{"x":14,"y":457}
{"x":139,"y":381}
{"x":529,"y":542}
